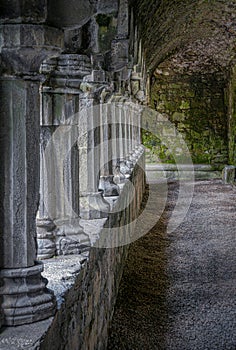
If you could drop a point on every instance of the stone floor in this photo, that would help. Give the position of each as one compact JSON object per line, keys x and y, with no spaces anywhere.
{"x":178,"y":290}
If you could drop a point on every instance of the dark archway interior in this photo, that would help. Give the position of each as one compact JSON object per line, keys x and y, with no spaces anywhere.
{"x":189,"y":47}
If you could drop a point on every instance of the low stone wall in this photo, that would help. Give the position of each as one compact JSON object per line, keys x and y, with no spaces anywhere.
{"x":159,"y":172}
{"x":86,"y":284}
{"x":83,"y":319}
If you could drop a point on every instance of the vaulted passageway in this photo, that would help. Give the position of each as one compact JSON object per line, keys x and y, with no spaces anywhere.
{"x":189,"y":49}
{"x":76,"y":78}
{"x":178,"y":288}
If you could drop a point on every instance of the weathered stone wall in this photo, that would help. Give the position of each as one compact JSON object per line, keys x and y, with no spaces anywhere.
{"x":83,"y":320}
{"x":195,"y":40}
{"x":195,"y":105}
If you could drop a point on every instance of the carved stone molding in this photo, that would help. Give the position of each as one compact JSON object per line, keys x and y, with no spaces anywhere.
{"x":25,"y":298}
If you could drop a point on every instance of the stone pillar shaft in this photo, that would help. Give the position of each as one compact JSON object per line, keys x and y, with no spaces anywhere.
{"x":106,"y":137}
{"x":24,"y":295}
{"x":114,"y":136}
{"x":108,"y":149}
{"x":88,"y":143}
{"x":92,"y":204}
{"x":59,"y":214}
{"x":123,"y":19}
{"x":126,"y":131}
{"x":23,"y":47}
{"x":121,"y":131}
{"x":21,"y":160}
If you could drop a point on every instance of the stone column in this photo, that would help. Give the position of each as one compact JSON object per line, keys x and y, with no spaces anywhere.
{"x":117,"y":139}
{"x":138,"y":113}
{"x":45,"y":226}
{"x":92,"y":203}
{"x":107,"y":184}
{"x":106,"y":152}
{"x":136,"y":150}
{"x":58,"y":220}
{"x":23,"y":291}
{"x":126,"y":131}
{"x":123,"y":19}
{"x":125,"y":167}
{"x":129,"y":121}
{"x":129,"y":161}
{"x":114,"y":135}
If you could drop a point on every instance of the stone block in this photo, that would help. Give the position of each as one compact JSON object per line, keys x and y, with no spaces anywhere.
{"x":119,"y":54}
{"x":107,"y":6}
{"x":23,"y":11}
{"x":25,"y":47}
{"x":62,"y":13}
{"x":73,"y":40}
{"x":98,"y":76}
{"x":228,"y":174}
{"x":123,"y":19}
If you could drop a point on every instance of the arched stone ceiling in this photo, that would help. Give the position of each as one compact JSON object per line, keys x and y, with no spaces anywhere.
{"x":187,"y":36}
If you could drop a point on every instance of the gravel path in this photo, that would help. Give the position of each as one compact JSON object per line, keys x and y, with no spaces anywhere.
{"x":178,"y":290}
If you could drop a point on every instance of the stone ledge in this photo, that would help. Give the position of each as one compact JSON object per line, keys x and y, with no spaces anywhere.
{"x":158,"y":172}
{"x":184,"y":167}
{"x":24,"y":337}
{"x":63,"y":273}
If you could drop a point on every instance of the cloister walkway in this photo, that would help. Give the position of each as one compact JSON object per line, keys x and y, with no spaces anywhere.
{"x":178,"y":290}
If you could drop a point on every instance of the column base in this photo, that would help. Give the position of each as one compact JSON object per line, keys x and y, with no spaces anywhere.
{"x":134,"y":156}
{"x":112,"y":200}
{"x":93,"y":206}
{"x":139,"y":150}
{"x":45,"y":238}
{"x":25,"y":298}
{"x":129,"y":164}
{"x":108,"y":186}
{"x":73,"y":244}
{"x":70,"y":237}
{"x":124,"y":169}
{"x":118,"y":177}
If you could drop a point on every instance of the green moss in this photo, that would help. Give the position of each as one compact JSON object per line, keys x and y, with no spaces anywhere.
{"x":185,"y":105}
{"x":157,"y":148}
{"x":178,"y":116}
{"x":201,"y":119}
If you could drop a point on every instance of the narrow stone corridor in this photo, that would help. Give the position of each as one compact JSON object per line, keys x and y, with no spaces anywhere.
{"x":178,"y":289}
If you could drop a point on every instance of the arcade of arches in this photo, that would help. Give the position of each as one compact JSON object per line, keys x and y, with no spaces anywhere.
{"x":76,"y":80}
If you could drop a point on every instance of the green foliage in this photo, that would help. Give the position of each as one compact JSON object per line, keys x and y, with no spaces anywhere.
{"x":156,"y":147}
